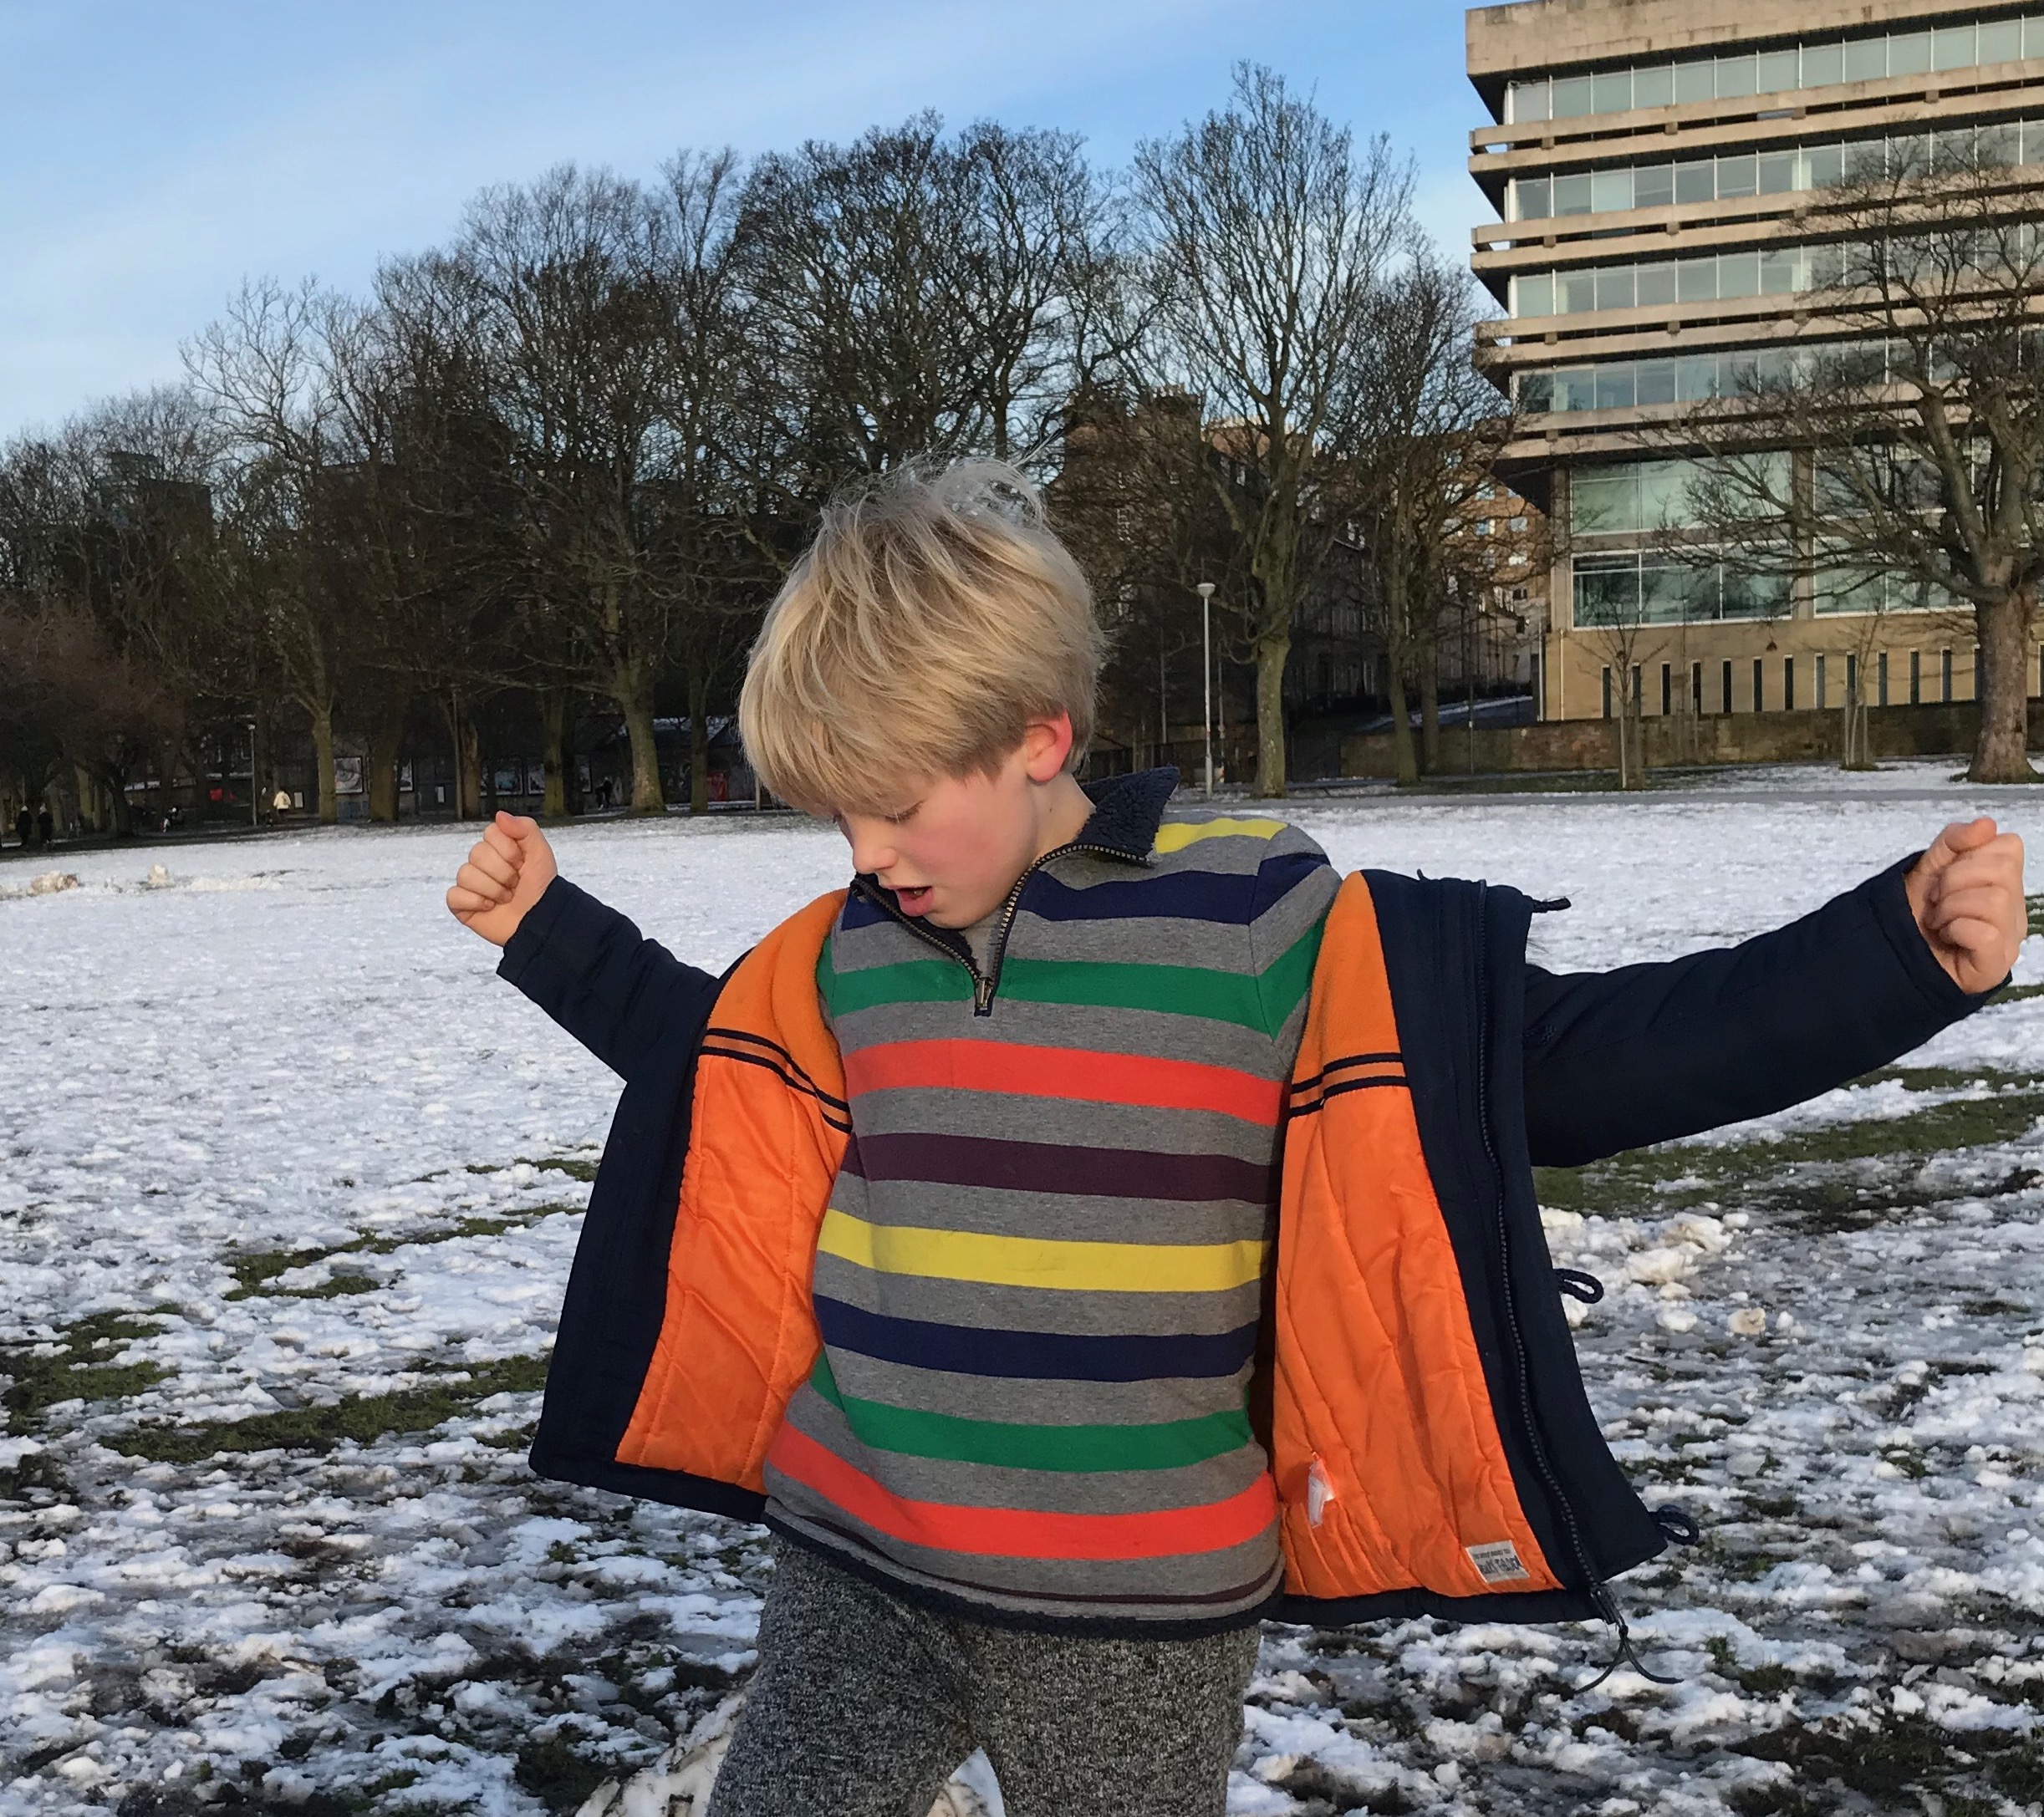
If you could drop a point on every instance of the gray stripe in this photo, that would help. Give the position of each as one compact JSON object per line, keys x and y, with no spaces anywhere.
{"x":1001,"y":1117}
{"x":973,"y":1305}
{"x":1052,"y":1217}
{"x":1032,"y":1401}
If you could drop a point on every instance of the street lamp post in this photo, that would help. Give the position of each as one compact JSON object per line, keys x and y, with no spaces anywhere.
{"x":1206,"y":673}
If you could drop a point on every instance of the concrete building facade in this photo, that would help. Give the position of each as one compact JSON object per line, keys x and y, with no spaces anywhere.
{"x":1652,"y":162}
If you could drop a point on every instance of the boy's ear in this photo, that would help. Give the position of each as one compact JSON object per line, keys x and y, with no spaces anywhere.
{"x":1047,"y":744}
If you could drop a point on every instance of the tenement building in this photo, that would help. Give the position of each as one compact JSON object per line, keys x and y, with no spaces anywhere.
{"x":1651,"y":162}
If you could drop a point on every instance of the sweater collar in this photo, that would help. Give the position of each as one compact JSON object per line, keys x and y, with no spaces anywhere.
{"x":1127,"y":811}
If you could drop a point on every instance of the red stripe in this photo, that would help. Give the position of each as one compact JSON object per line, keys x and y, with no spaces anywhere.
{"x":1072,"y":1072}
{"x":1017,"y":1533}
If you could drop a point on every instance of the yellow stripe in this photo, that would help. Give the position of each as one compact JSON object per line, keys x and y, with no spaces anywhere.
{"x":1177,"y":836}
{"x":1026,"y":1262}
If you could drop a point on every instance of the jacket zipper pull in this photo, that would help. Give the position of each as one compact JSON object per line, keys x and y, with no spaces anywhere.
{"x":1319,"y":1491}
{"x":983,"y":993}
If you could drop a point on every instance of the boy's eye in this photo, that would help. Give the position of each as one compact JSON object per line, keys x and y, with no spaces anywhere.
{"x":906,"y":814}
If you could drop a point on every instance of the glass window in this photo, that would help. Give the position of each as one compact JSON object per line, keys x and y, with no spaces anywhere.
{"x":1571,"y":97}
{"x":1822,"y":65}
{"x":1778,"y":71}
{"x":2033,"y":141}
{"x":1823,"y":165}
{"x":1572,"y":195}
{"x":1778,"y":271}
{"x":1697,"y":279}
{"x":1607,"y":589}
{"x":1664,"y":494}
{"x":1777,"y":172}
{"x":1615,"y":386}
{"x":1653,"y":186}
{"x":1696,"y":182}
{"x":1574,"y":292}
{"x":1535,"y":391}
{"x":1695,"y":377}
{"x":1738,"y":274}
{"x":1656,"y":284}
{"x":1615,"y":288}
{"x":1576,"y":389}
{"x":1654,"y":86}
{"x":2001,"y":41}
{"x":1611,"y":192}
{"x":1866,"y":59}
{"x":1529,"y":101}
{"x":1604,"y":500}
{"x":1533,"y":295}
{"x":2033,"y":35}
{"x":1610,"y":91}
{"x":1657,"y":381}
{"x":1865,"y":161}
{"x":1738,"y":175}
{"x":1735,"y":74}
{"x":1664,"y":593}
{"x":1529,"y":198}
{"x":1909,"y":53}
{"x":1954,"y":47}
{"x":1755,"y":596}
{"x":2000,"y":145}
{"x":1908,"y":154}
{"x":1695,"y":81}
{"x":1953,"y":148}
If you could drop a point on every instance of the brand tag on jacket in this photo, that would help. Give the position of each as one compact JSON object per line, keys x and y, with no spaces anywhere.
{"x":1497,"y":1562}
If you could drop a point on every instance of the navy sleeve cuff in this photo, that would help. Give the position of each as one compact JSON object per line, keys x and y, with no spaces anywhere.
{"x":1941,"y":993}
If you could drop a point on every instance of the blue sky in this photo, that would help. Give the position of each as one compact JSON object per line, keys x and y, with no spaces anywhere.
{"x":152,"y":155}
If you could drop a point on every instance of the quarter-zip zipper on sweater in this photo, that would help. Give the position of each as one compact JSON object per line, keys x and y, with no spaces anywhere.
{"x":986,"y":983}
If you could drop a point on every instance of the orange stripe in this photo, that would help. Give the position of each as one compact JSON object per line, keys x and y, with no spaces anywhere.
{"x":1071,"y":1072}
{"x":1017,"y":1533}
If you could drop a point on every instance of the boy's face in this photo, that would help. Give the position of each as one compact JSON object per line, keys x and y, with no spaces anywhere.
{"x":953,"y":849}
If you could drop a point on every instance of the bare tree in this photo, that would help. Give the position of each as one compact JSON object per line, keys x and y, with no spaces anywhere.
{"x":1270,"y":236}
{"x":1911,"y":414}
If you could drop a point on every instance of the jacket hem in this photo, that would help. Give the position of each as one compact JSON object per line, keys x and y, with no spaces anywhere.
{"x":1015,"y":1621}
{"x":677,"y":1487}
{"x":1527,"y":1606}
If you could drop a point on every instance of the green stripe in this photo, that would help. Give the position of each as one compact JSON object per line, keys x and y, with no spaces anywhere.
{"x":916,"y":980}
{"x":1219,"y":996}
{"x":1289,"y":976}
{"x":1171,"y":1445}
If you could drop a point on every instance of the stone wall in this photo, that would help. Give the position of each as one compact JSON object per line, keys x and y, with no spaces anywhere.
{"x":1894,"y":731}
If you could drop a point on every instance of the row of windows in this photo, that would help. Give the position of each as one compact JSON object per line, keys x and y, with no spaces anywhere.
{"x":1782,"y":172}
{"x":1654,"y":586}
{"x":1820,"y":63}
{"x":1707,"y":278}
{"x":1785,"y":695}
{"x":1624,"y":384}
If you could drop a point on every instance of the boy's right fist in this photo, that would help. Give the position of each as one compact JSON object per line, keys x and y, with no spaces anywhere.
{"x":508,"y":870}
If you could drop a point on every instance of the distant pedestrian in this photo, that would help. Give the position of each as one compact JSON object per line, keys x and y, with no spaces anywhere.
{"x":45,"y":827}
{"x":24,"y":825}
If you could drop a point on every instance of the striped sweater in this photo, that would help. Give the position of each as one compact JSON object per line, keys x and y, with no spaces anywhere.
{"x":1040,"y":1277}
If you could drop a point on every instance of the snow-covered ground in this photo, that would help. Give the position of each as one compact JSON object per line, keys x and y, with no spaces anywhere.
{"x":289,"y":1186}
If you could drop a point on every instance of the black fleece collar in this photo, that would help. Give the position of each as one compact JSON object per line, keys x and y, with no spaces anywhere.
{"x":1127,"y":811}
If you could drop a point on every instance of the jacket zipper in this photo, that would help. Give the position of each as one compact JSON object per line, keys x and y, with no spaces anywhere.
{"x":1599,"y":1596}
{"x":986,"y":983}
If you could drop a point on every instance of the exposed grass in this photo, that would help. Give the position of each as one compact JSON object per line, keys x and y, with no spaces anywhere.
{"x":255,"y":1269}
{"x":359,"y":1418}
{"x":71,"y":1372}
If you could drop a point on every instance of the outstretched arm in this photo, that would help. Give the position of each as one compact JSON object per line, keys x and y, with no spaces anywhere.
{"x":1619,"y":1059}
{"x":586,"y":966}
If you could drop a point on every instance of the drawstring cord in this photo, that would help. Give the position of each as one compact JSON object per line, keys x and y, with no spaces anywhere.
{"x":1627,"y":1654}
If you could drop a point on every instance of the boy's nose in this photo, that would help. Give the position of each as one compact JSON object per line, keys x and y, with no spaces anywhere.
{"x":870,"y":853}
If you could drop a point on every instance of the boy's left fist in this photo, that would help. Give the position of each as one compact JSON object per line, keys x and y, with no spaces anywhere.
{"x":1967,"y":893}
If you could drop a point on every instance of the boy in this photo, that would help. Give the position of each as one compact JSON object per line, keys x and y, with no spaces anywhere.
{"x":952,"y":1235}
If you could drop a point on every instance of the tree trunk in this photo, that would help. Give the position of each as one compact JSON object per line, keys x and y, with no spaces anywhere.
{"x":88,"y":788}
{"x":467,"y":769}
{"x":322,"y":761}
{"x":1429,"y":707}
{"x":383,"y":746}
{"x":553,"y":709}
{"x":2001,"y":686}
{"x":113,"y":788}
{"x":1272,"y":655}
{"x":1405,"y":755}
{"x":698,"y":740}
{"x":633,"y":691}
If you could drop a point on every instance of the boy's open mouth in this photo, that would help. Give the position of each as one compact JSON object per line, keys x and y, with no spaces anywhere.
{"x":914,"y":902}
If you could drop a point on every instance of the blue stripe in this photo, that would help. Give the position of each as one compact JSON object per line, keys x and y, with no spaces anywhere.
{"x":1175,"y":895}
{"x":1044,"y":1356}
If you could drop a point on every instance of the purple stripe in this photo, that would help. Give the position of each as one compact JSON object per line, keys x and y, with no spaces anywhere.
{"x":1051,"y":1167}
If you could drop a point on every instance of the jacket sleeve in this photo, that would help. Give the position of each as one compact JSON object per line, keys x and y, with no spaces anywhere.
{"x":594,"y":972}
{"x":1616,"y":1060}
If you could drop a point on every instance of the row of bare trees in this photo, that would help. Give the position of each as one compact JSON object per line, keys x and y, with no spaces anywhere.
{"x":571,"y":452}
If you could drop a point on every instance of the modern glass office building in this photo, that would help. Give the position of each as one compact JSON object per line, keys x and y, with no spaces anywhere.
{"x":1652,"y":163}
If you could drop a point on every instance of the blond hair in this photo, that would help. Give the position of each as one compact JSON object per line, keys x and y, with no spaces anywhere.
{"x":933,"y":617}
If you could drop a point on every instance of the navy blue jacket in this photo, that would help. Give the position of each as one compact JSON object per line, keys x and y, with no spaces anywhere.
{"x":1510,"y":1067}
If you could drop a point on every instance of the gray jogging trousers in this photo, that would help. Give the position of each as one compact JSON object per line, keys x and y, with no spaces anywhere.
{"x":863,"y":1704}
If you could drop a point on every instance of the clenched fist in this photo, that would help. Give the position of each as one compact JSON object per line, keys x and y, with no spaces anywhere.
{"x":507,"y":871}
{"x":1967,"y":893}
